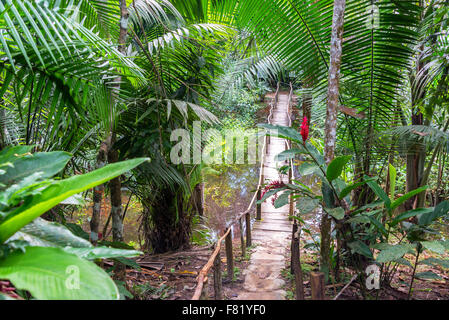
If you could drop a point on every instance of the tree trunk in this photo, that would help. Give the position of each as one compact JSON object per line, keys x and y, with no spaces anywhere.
{"x":296,"y":262}
{"x":98,"y":196}
{"x":166,"y":225}
{"x":3,"y":129}
{"x":115,"y":187}
{"x":416,"y":155}
{"x":115,"y":184}
{"x":331,"y":119}
{"x":198,"y":198}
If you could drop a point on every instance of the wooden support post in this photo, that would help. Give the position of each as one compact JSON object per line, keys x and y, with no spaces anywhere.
{"x":296,"y":262}
{"x":248,"y":229}
{"x":317,"y":283}
{"x":217,"y":278}
{"x":258,"y":206}
{"x":290,"y":210}
{"x":266,"y":144}
{"x":229,"y":256}
{"x":242,"y":237}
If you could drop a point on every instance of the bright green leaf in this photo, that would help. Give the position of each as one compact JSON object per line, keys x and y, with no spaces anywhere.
{"x":51,"y":273}
{"x":336,"y":166}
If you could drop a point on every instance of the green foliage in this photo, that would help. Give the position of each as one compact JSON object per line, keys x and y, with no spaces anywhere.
{"x":147,"y":291}
{"x":371,"y":225}
{"x":49,"y":164}
{"x":52,"y":273}
{"x":55,"y":192}
{"x":235,"y":274}
{"x":440,"y":210}
{"x":393,"y":252}
{"x":46,"y":258}
{"x":361,"y":248}
{"x":336,"y":166}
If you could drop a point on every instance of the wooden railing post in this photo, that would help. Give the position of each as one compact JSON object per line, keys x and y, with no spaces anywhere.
{"x":242,"y":237}
{"x":217,"y":278}
{"x":258,"y":205}
{"x":229,"y":256}
{"x":248,"y":229}
{"x":291,"y":202}
{"x":317,"y":283}
{"x":266,"y":144}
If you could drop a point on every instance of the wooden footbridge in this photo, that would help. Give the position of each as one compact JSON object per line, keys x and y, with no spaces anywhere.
{"x":272,"y":230}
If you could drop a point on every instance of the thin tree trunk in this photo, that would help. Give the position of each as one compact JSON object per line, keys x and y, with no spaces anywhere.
{"x":3,"y":129}
{"x":116,"y":210}
{"x":198,"y":198}
{"x":415,"y":164}
{"x":115,"y":184}
{"x":331,"y":118}
{"x":98,"y":196}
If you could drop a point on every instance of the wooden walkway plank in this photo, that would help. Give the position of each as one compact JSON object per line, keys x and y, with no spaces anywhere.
{"x":272,"y":234}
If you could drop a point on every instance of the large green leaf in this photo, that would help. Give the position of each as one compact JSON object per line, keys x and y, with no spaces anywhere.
{"x":282,"y":199}
{"x":44,"y":233}
{"x":328,"y":196}
{"x":396,"y":203}
{"x":282,"y":132}
{"x":427,"y":275}
{"x":60,"y":190}
{"x":336,"y":166}
{"x":48,"y":163}
{"x":435,"y":261}
{"x":307,"y":168}
{"x":317,"y":155}
{"x":361,"y":248}
{"x":269,"y":193}
{"x":409,"y":214}
{"x":288,"y":154}
{"x":306,"y":205}
{"x":51,"y":273}
{"x":102,"y":252}
{"x":351,"y":187}
{"x":404,"y":262}
{"x":11,"y":153}
{"x":440,"y":210}
{"x":338,"y":213}
{"x":378,"y":191}
{"x":393,"y":252}
{"x":434,"y":246}
{"x":14,"y":193}
{"x":378,"y":225}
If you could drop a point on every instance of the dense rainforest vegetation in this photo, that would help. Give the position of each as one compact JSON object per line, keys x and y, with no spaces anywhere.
{"x":91,"y":92}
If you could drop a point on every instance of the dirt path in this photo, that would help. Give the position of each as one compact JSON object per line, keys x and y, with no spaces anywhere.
{"x":271,"y":235}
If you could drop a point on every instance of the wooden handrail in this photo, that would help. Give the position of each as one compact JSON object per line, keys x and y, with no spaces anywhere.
{"x":204,"y":271}
{"x":202,"y":275}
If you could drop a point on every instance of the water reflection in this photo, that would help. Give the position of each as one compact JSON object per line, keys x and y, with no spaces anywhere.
{"x":227,"y":194}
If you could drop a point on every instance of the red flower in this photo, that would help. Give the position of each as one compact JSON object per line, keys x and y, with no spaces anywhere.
{"x":304,"y":129}
{"x":272,"y":185}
